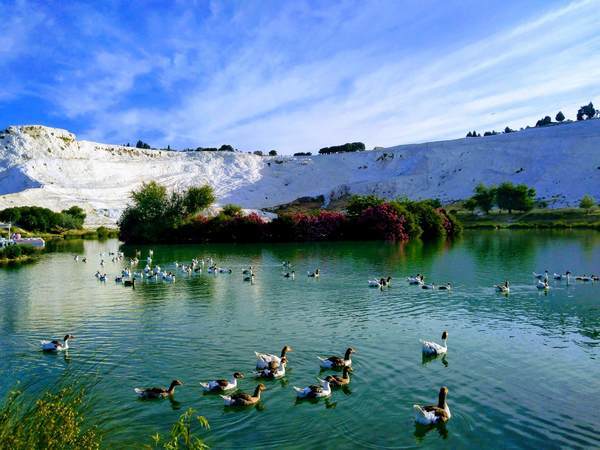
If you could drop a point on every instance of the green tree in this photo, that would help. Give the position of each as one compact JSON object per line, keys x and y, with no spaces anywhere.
{"x":587,"y":110}
{"x":515,"y":197}
{"x":470,"y":205}
{"x":560,"y":117}
{"x":484,"y":197}
{"x":273,"y":153}
{"x":587,"y":202}
{"x":231,"y":210}
{"x":358,"y":203}
{"x":198,"y":198}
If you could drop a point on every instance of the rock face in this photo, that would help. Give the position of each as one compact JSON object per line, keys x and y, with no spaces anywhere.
{"x":49,"y":167}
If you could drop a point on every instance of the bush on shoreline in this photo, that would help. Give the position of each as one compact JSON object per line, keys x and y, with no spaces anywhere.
{"x":38,"y":219}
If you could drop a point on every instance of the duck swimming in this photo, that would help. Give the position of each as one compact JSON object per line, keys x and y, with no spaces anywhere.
{"x":158,"y":392}
{"x":242,"y":399}
{"x":504,"y":288}
{"x":336,"y":362}
{"x":541,"y":276}
{"x":418,"y":279}
{"x":337,"y":381}
{"x":314,"y":274}
{"x":274,"y":371}
{"x":432,"y":414}
{"x":445,"y":287}
{"x":291,"y":275}
{"x":542,"y":285}
{"x":433,"y":348}
{"x":57,"y":346}
{"x":263,"y":359}
{"x":222,"y":385}
{"x":314,"y":390}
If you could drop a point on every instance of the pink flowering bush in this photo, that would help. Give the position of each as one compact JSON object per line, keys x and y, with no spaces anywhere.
{"x":382,"y":222}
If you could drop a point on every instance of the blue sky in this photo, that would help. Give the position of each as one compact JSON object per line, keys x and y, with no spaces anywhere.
{"x":294,"y":75}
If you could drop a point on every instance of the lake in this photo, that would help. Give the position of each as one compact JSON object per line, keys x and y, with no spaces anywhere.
{"x":523,"y":370}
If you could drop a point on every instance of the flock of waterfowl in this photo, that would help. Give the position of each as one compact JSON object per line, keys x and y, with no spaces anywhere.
{"x":272,"y":367}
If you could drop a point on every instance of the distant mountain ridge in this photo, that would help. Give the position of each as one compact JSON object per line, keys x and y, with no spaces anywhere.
{"x":49,"y":167}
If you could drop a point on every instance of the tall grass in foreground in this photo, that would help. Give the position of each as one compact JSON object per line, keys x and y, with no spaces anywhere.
{"x":182,"y":435}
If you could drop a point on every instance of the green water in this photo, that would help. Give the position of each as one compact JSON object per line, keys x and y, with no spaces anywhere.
{"x":522,"y":370}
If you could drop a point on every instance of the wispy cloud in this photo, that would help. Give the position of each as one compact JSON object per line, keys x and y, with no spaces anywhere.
{"x":301,"y":75}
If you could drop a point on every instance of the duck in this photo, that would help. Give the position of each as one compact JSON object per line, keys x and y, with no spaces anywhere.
{"x":247,"y":271}
{"x":504,"y":288}
{"x":291,"y":275}
{"x":337,"y":381}
{"x":222,"y":385}
{"x":374,"y":283}
{"x":314,"y":274}
{"x":314,"y":390}
{"x":76,"y":258}
{"x":418,"y":279}
{"x":583,"y":278}
{"x":433,"y":348}
{"x":542,"y":285}
{"x":102,"y":277}
{"x":241,"y":399}
{"x":428,"y":286}
{"x":336,"y":362}
{"x":129,"y":283}
{"x":274,"y":371}
{"x":249,"y":278}
{"x":157,"y":392}
{"x":432,"y":414}
{"x":57,"y":346}
{"x":118,"y":279}
{"x":541,"y":276}
{"x":560,"y":276}
{"x":445,"y":287}
{"x":263,"y":359}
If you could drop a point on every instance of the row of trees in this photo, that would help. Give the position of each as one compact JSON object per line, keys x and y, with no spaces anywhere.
{"x":35,"y":218}
{"x":344,"y":148}
{"x":506,"y":196}
{"x":585,"y":112}
{"x":156,"y":215}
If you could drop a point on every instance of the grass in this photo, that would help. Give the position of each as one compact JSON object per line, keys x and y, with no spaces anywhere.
{"x":85,"y":233}
{"x":563,"y":218}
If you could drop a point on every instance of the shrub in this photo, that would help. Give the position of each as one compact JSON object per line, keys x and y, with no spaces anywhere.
{"x":543,"y":122}
{"x":560,"y":116}
{"x":587,"y":202}
{"x":382,"y":222}
{"x":102,"y":232}
{"x":142,"y":144}
{"x":35,"y":218}
{"x":587,"y":111}
{"x":358,"y":203}
{"x":232,"y":210}
{"x":323,"y":226}
{"x":484,"y":197}
{"x":345,"y":148}
{"x":182,"y":434}
{"x":226,"y":148}
{"x":273,"y":153}
{"x":303,"y":154}
{"x":518,"y":197}
{"x":430,"y":221}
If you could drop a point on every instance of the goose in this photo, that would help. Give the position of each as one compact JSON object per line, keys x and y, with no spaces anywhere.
{"x":419,"y":279}
{"x":263,"y":359}
{"x":102,"y":277}
{"x":76,"y":258}
{"x":249,"y":278}
{"x":291,"y":275}
{"x":157,"y":392}
{"x":541,"y":276}
{"x":337,"y":381}
{"x":374,"y":283}
{"x":542,"y":285}
{"x":275,"y":371}
{"x":129,"y":283}
{"x":247,"y":271}
{"x":432,"y":414}
{"x":84,"y":259}
{"x":118,"y":279}
{"x":336,"y":362}
{"x":314,"y":274}
{"x":433,"y":348}
{"x":243,"y":399}
{"x":428,"y":286}
{"x":225,"y":270}
{"x":97,"y":274}
{"x":57,"y":346}
{"x":222,"y":385}
{"x":583,"y":278}
{"x":314,"y":390}
{"x":446,"y":287}
{"x":559,"y":276}
{"x":504,"y":288}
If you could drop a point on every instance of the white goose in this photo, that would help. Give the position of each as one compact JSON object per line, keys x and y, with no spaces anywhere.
{"x":432,"y":414}
{"x":433,"y":348}
{"x":542,"y":285}
{"x":314,"y":390}
{"x":222,"y":385}
{"x":541,"y":276}
{"x":56,"y":346}
{"x":274,"y":372}
{"x":263,"y":359}
{"x":415,"y":280}
{"x":428,"y":286}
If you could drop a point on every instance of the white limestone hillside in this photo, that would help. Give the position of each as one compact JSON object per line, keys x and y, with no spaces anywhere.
{"x":49,"y":167}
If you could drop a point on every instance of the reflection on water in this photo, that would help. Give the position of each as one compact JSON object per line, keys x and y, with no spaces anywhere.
{"x":520,"y":367}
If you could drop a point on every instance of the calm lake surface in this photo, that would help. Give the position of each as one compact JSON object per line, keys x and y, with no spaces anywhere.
{"x":522,"y":370}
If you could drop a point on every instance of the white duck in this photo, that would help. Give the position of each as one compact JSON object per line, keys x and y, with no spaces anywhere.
{"x":428,"y":286}
{"x":541,"y":276}
{"x":374,"y":284}
{"x":416,"y":280}
{"x":263,"y":359}
{"x":274,"y":372}
{"x":336,"y":362}
{"x":445,"y":287}
{"x":222,"y":385}
{"x":433,"y":348}
{"x":56,"y":346}
{"x":542,"y":285}
{"x":432,"y":414}
{"x":314,"y":390}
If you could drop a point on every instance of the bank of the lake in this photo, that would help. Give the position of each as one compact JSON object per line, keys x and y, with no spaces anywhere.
{"x":547,"y":218}
{"x":206,"y":326}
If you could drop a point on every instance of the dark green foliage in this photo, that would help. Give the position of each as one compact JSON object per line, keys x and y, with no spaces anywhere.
{"x":273,"y":153}
{"x":587,"y":202}
{"x":35,"y":218}
{"x":303,"y":154}
{"x":560,"y":116}
{"x":515,"y":197}
{"x":345,"y":148}
{"x":102,"y":232}
{"x":429,"y":220}
{"x":231,"y":210}
{"x":491,"y":133}
{"x":470,"y":205}
{"x":543,"y":122}
{"x":142,"y":144}
{"x":484,"y":197}
{"x":473,"y":134}
{"x":258,"y":153}
{"x":358,"y":203}
{"x":154,"y":212}
{"x":509,"y":130}
{"x":226,"y":148}
{"x":586,"y":111}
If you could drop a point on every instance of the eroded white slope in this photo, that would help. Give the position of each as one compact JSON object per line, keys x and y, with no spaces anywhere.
{"x":49,"y":167}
